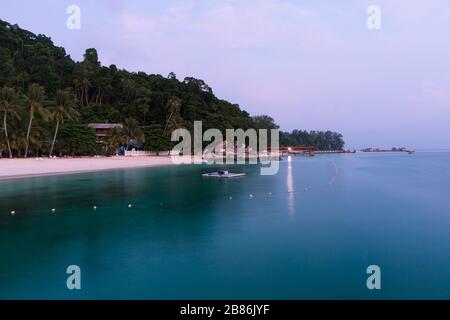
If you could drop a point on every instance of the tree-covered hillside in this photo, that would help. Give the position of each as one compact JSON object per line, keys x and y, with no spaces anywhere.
{"x":108,"y":94}
{"x":44,"y":91}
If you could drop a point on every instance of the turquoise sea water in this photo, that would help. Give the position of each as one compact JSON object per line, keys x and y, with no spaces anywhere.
{"x":326,"y":220}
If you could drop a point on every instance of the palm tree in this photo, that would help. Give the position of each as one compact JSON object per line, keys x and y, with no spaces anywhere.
{"x":2,"y":145}
{"x":132,"y":130}
{"x":129,"y":86}
{"x":34,"y":101}
{"x":18,"y":141}
{"x":173,"y":118}
{"x":8,"y":104}
{"x":63,"y":109}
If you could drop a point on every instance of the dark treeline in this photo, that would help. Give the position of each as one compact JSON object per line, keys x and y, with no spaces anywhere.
{"x":47,"y":99}
{"x":321,"y":140}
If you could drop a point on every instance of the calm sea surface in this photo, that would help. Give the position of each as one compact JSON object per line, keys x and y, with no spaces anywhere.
{"x":308,"y":232}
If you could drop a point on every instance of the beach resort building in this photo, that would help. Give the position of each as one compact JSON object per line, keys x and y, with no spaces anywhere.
{"x":102,"y":129}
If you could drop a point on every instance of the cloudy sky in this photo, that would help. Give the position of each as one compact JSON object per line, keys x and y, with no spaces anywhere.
{"x":310,"y":64}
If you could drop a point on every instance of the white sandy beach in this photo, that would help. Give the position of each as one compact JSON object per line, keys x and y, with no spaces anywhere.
{"x":21,"y":168}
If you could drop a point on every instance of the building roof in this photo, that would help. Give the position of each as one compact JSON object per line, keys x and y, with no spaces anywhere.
{"x":105,"y":125}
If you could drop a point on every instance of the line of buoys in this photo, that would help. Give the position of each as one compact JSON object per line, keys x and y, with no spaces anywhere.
{"x":161,"y":204}
{"x":251,"y":196}
{"x":53,"y":210}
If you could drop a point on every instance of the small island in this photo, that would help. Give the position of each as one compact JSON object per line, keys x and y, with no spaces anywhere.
{"x":394,"y":149}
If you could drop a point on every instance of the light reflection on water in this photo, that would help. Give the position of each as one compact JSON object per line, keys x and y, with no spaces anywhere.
{"x":290,"y":189}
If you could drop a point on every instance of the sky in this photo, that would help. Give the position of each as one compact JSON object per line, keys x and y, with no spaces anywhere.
{"x":311,"y":65}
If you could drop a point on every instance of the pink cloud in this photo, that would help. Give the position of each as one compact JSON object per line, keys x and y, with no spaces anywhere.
{"x":431,"y":94}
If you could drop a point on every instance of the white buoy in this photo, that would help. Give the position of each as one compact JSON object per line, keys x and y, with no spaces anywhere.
{"x":230,"y":198}
{"x":129,"y":206}
{"x":53,"y":210}
{"x":95,"y":208}
{"x":13,"y":213}
{"x":251,"y":196}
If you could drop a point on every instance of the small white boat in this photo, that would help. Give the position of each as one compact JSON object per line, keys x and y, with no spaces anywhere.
{"x":223,"y":175}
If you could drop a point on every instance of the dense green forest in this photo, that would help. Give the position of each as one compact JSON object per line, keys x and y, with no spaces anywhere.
{"x":47,"y":99}
{"x":327,"y":140}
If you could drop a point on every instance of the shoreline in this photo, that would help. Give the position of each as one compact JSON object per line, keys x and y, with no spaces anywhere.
{"x":13,"y":169}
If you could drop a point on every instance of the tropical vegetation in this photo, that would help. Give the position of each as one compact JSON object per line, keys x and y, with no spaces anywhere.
{"x":47,"y":101}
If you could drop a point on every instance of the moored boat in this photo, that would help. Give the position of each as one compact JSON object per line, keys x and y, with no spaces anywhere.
{"x":223,"y":175}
